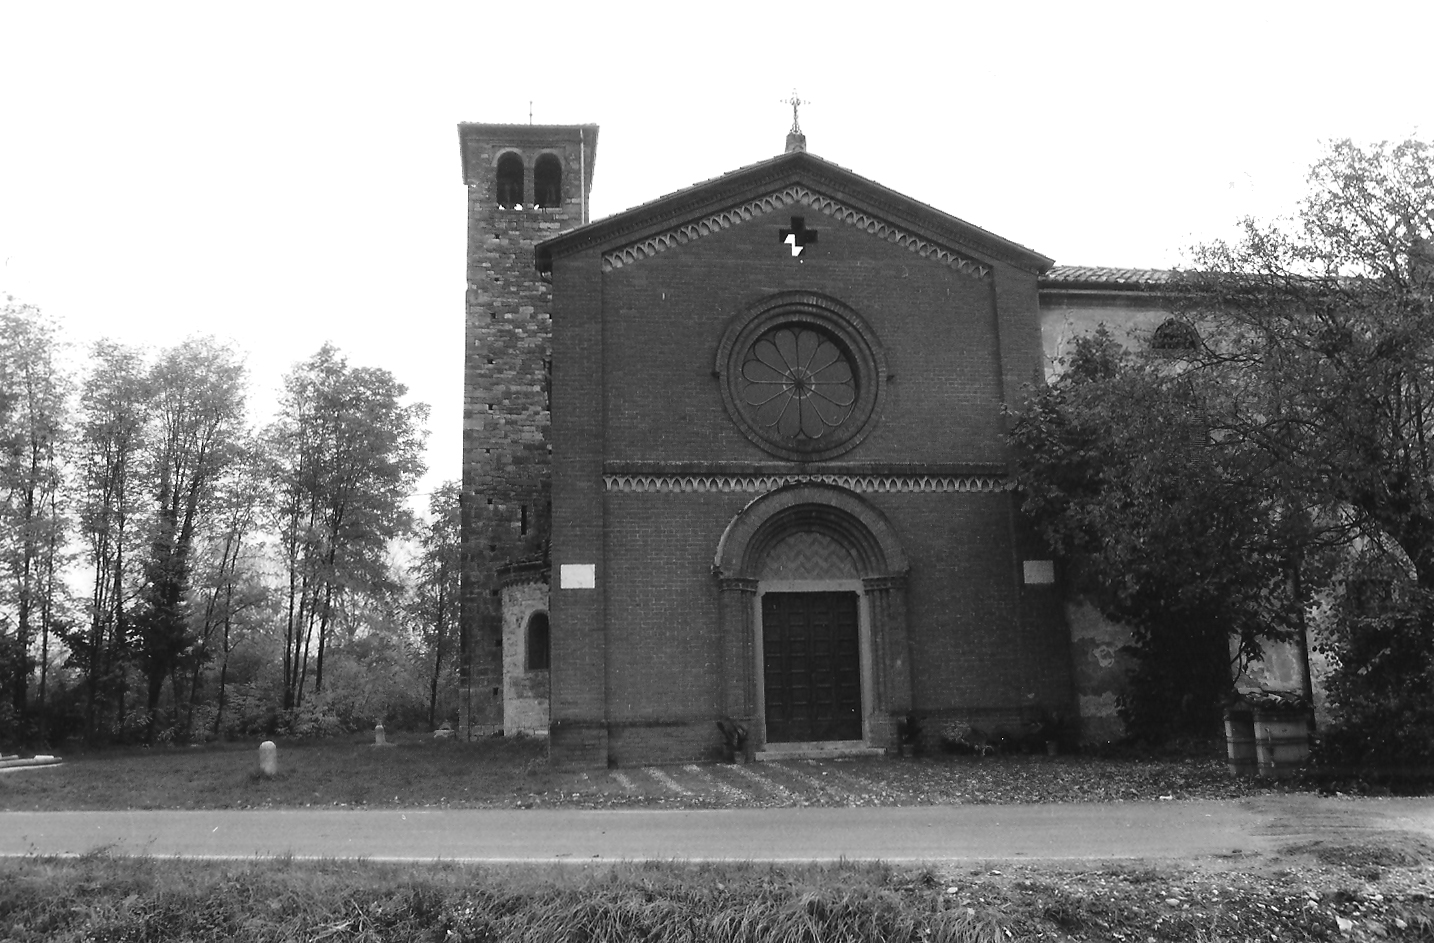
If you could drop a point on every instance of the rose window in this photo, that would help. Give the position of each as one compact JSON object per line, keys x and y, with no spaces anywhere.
{"x":801,"y":375}
{"x":798,"y":383}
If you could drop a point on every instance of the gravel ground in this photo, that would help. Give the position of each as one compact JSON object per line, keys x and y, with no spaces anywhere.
{"x":880,"y":781}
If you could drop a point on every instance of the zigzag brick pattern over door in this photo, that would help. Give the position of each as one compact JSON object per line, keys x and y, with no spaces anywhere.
{"x":809,"y":556}
{"x":811,"y":667}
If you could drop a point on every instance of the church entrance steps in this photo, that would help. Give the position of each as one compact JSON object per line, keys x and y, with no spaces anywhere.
{"x":787,"y":782}
{"x":764,"y":780}
{"x":865,"y":781}
{"x":720,"y":787}
{"x":667,"y":781}
{"x":820,"y":782}
{"x":818,"y":750}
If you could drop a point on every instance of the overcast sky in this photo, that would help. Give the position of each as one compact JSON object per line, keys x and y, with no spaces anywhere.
{"x":283,"y":174}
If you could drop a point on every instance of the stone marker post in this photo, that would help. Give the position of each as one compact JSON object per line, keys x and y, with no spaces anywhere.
{"x":268,"y":758}
{"x":378,"y":739}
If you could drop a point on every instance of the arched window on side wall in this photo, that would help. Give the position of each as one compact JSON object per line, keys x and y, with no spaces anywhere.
{"x":548,"y":181}
{"x":510,"y":180}
{"x":1175,"y":336}
{"x":539,"y":649}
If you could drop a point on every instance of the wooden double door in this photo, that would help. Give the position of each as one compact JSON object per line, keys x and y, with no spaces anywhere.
{"x":811,"y":658}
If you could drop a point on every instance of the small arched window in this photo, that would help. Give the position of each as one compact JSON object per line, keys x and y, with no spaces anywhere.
{"x":539,"y":648}
{"x":548,"y":181}
{"x":1174,"y":335}
{"x":510,"y":180}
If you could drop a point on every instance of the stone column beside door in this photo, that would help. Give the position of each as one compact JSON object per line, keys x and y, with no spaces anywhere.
{"x":891,"y":641}
{"x":737,"y":597}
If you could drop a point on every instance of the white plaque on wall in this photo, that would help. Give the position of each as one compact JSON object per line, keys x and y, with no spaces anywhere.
{"x":577,"y":576}
{"x":1040,"y":572}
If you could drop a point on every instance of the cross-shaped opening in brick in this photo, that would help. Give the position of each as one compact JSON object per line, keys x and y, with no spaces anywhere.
{"x":798,"y":236}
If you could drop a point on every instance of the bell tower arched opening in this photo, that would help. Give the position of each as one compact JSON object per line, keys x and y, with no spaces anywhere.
{"x":548,"y":181}
{"x":510,"y":180}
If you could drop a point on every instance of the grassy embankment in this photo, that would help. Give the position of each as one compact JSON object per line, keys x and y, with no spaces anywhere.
{"x":1358,"y":895}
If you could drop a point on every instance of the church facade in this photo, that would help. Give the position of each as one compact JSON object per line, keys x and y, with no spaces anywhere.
{"x":738,"y":455}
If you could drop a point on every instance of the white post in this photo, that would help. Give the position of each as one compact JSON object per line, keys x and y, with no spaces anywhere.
{"x":378,"y":740}
{"x":268,"y":759}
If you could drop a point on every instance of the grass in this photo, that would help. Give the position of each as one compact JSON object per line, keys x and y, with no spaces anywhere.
{"x":112,"y":899}
{"x":115,"y":899}
{"x":340,"y":772}
{"x":420,"y":772}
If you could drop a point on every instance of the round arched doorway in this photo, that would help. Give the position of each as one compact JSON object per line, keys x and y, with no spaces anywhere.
{"x":813,"y":621}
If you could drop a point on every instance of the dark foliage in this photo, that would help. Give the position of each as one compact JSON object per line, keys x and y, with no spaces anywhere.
{"x":1383,"y":691}
{"x":1323,"y":327}
{"x":1165,"y":527}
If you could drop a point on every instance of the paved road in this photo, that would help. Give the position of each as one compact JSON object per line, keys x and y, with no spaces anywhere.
{"x":1186,"y":830}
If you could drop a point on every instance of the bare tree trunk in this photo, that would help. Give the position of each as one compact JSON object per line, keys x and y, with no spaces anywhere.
{"x":223,"y":665}
{"x":174,"y":720}
{"x":304,"y":667}
{"x":24,"y":605}
{"x":324,"y":617}
{"x":120,"y":629}
{"x":195,"y":686}
{"x":227,"y":575}
{"x":99,"y":606}
{"x":438,"y":632}
{"x":47,"y":608}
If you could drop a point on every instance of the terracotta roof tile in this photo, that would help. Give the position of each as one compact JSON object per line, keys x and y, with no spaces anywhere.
{"x":1104,"y":276}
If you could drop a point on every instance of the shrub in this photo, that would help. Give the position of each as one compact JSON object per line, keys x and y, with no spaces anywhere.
{"x":1381,"y":690}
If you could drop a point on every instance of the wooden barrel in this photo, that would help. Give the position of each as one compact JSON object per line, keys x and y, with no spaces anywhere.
{"x":1240,"y":742}
{"x":1282,"y":742}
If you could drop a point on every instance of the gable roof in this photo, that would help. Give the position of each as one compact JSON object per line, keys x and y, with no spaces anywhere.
{"x":798,"y":178}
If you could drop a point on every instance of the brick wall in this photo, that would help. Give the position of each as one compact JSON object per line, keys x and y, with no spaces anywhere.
{"x":979,"y":657}
{"x":637,"y":660}
{"x":506,"y":464}
{"x":665,"y":316}
{"x":579,"y":624}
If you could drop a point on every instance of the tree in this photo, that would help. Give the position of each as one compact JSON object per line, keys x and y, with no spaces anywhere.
{"x":34,"y":418}
{"x":1309,"y":394}
{"x":434,"y":603}
{"x":346,"y":455}
{"x":1168,"y":526}
{"x":1324,"y":327}
{"x":113,"y":437}
{"x":226,"y":579}
{"x":199,"y":391}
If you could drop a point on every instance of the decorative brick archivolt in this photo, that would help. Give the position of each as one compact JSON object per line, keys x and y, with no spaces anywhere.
{"x":780,"y":200}
{"x":814,"y":516}
{"x":837,"y":513}
{"x":760,"y":484}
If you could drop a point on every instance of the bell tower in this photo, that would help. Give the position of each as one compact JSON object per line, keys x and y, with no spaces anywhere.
{"x":526,"y":183}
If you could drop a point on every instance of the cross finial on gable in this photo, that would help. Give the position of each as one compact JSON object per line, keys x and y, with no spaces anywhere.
{"x":795,"y":102}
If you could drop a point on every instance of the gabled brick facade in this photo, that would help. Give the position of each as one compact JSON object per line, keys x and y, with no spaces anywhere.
{"x":612,"y":439}
{"x":686,"y":517}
